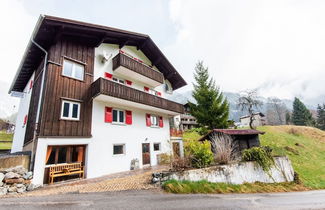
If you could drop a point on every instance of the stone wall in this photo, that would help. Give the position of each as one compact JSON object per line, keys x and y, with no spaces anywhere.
{"x":239,"y":173}
{"x":12,"y":160}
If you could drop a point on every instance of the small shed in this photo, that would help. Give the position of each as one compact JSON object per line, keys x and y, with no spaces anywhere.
{"x":245,"y":138}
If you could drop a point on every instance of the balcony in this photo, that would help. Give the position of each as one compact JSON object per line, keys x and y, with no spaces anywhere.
{"x":127,"y":66}
{"x":109,"y":91}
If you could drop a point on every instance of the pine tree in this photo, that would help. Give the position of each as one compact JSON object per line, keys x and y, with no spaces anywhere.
{"x":321,"y":117}
{"x":211,"y":108}
{"x":301,"y":115}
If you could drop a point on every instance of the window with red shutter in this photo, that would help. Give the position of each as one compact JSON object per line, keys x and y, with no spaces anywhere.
{"x":31,"y":84}
{"x":128,"y":82}
{"x":148,"y":120}
{"x":161,"y":121}
{"x":108,"y":75}
{"x":108,"y":114}
{"x":128,"y":119}
{"x":146,"y":89}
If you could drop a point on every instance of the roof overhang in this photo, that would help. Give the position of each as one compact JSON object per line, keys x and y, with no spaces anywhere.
{"x":49,"y":30}
{"x":232,"y":132}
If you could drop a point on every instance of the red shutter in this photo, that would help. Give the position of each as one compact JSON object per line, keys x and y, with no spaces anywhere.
{"x":148,"y":120}
{"x":159,"y":93}
{"x":108,"y":75}
{"x":146,"y":89}
{"x":31,"y":84}
{"x":128,"y":119}
{"x":25,"y":119}
{"x":161,"y":121}
{"x":121,"y":51}
{"x":108,"y":114}
{"x":128,"y":82}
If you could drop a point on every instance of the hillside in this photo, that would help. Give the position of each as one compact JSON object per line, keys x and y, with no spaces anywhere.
{"x":305,"y":147}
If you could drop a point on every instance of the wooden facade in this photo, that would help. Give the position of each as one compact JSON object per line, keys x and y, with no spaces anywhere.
{"x":110,"y":88}
{"x":129,"y":63}
{"x":58,"y":87}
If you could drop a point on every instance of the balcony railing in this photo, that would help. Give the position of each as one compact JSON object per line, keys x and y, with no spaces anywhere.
{"x":135,"y":66}
{"x":114,"y":89}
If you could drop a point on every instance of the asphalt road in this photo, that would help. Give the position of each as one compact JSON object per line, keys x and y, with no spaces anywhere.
{"x":158,"y":200}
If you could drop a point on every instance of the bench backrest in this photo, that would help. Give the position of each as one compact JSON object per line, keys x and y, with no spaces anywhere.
{"x":61,"y":167}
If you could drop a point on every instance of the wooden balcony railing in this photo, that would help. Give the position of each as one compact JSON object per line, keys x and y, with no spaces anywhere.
{"x":133,"y":65}
{"x":114,"y":89}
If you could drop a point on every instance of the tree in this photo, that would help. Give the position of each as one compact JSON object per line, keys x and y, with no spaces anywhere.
{"x":321,"y":117}
{"x":288,"y":118}
{"x":249,"y":101}
{"x":300,"y":114}
{"x":211,"y":108}
{"x":275,"y":111}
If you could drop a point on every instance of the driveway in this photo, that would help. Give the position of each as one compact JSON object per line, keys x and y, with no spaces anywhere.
{"x":149,"y":199}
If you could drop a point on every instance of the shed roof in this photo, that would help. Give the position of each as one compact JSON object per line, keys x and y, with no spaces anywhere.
{"x":230,"y":132}
{"x":49,"y":29}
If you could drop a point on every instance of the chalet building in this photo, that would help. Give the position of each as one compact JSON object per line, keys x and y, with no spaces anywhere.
{"x":259,"y":120}
{"x":93,"y":95}
{"x":185,"y":121}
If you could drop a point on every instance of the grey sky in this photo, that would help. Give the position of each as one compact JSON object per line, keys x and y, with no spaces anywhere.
{"x":276,"y":45}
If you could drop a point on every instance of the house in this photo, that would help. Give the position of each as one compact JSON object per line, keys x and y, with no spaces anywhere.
{"x":258,"y":120}
{"x":245,"y":138}
{"x":185,"y":121}
{"x":94,"y":95}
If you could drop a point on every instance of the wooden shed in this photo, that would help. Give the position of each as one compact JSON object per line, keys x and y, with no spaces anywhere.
{"x":245,"y":138}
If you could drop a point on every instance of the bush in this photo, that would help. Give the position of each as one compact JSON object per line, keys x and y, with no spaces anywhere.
{"x":164,"y":159}
{"x":224,"y":148}
{"x":199,"y":153}
{"x":262,"y":156}
{"x":181,"y":163}
{"x":202,"y":130}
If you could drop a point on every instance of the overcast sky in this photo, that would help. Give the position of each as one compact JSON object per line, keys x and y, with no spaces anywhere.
{"x":276,"y":46}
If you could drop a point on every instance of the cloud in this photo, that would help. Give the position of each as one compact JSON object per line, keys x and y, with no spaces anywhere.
{"x":277,"y":45}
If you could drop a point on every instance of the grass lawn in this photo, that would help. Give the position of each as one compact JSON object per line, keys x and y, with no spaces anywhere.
{"x":8,"y":140}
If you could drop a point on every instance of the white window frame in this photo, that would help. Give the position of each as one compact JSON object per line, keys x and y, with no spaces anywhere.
{"x":71,"y":103}
{"x":118,"y":116}
{"x":119,"y":80}
{"x":123,"y":149}
{"x":152,"y":121}
{"x":159,"y":146}
{"x":73,"y":71}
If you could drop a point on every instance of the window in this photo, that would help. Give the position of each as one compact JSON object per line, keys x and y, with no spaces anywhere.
{"x":154,"y":120}
{"x":118,"y":116}
{"x":118,"y":80}
{"x":73,"y":70}
{"x":118,"y":149}
{"x":70,"y":110}
{"x":65,"y":154}
{"x":156,"y":146}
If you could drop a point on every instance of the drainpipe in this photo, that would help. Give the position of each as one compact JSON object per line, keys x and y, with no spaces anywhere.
{"x":34,"y":144}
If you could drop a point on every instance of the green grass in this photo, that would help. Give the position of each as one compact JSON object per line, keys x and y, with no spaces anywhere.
{"x":308,"y":158}
{"x":190,"y":135}
{"x":185,"y":187}
{"x":8,"y":140}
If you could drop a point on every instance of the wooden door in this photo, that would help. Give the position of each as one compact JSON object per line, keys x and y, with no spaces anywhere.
{"x":176,"y":149}
{"x":146,"y":153}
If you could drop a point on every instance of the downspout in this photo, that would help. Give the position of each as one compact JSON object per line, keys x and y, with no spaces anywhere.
{"x":34,"y":144}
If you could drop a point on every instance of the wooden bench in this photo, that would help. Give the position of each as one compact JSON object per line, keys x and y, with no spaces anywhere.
{"x":65,"y":170}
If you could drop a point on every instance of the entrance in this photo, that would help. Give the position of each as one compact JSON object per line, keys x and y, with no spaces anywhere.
{"x":146,"y":153}
{"x":176,"y":149}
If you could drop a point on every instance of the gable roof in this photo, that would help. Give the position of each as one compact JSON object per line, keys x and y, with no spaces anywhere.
{"x":49,"y":29}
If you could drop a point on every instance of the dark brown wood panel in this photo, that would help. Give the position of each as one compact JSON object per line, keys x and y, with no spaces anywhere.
{"x":58,"y":87}
{"x":114,"y":89}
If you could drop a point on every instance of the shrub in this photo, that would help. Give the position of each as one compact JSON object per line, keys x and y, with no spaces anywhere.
{"x":262,"y":156}
{"x":199,"y":153}
{"x":224,"y":148}
{"x":164,"y":159}
{"x":181,"y":163}
{"x":201,"y":130}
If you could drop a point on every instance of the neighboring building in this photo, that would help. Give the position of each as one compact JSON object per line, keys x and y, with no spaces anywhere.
{"x":96,"y":95}
{"x":259,"y":120}
{"x":185,"y":121}
{"x":245,"y":138}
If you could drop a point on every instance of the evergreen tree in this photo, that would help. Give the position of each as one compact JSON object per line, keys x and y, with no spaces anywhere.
{"x":211,"y":108}
{"x":321,"y":117}
{"x":301,"y":115}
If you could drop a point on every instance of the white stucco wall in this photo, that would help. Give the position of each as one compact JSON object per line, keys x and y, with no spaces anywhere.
{"x":18,"y":140}
{"x":240,"y":173}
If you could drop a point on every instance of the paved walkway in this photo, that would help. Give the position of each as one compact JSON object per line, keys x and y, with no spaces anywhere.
{"x":131,"y":180}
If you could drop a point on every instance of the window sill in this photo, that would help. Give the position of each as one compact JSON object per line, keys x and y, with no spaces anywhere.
{"x":154,"y":126}
{"x":117,"y":123}
{"x":118,"y":155}
{"x":69,"y":119}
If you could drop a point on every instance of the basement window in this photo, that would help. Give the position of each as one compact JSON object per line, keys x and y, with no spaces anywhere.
{"x":70,"y":110}
{"x":156,"y":146}
{"x":73,"y":70}
{"x":118,"y":149}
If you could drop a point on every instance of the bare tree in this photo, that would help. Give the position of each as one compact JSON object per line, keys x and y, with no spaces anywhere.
{"x":276,"y":111}
{"x":249,"y":101}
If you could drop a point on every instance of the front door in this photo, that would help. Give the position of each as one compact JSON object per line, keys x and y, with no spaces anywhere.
{"x":146,"y":153}
{"x":176,"y":149}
